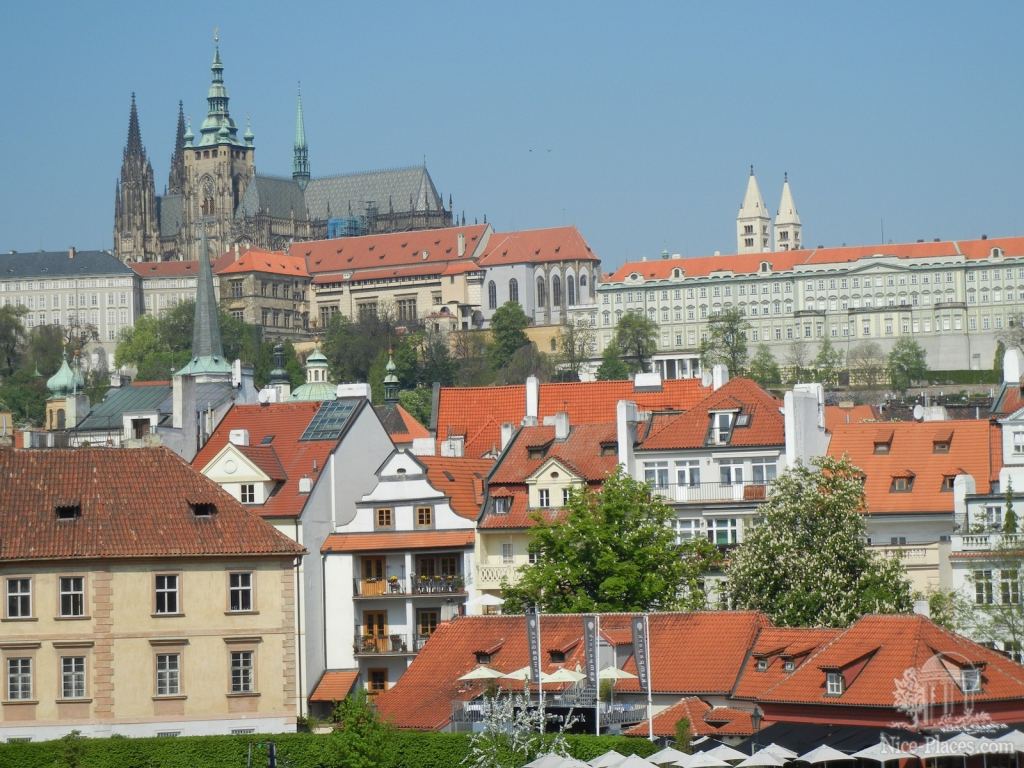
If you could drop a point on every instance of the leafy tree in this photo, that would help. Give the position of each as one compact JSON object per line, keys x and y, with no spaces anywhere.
{"x":684,"y":735}
{"x":726,"y":342}
{"x":508,"y":333}
{"x":997,"y":360}
{"x":867,"y":362}
{"x":362,"y":740}
{"x":907,"y":363}
{"x":763,"y":368}
{"x":418,"y":402}
{"x":513,"y":733}
{"x":42,"y":349}
{"x":25,"y":394}
{"x":612,"y":367}
{"x":613,"y":551}
{"x":576,"y":347}
{"x":636,"y":337}
{"x":470,"y":359}
{"x":12,"y":335}
{"x":828,"y":362}
{"x":436,"y":364}
{"x":351,"y":348}
{"x":806,"y":563}
{"x":798,"y":355}
{"x":1010,"y":515}
{"x":526,"y":361}
{"x":944,"y":608}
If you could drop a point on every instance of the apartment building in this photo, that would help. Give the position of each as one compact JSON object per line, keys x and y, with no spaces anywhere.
{"x":163,"y":285}
{"x":267,"y":289}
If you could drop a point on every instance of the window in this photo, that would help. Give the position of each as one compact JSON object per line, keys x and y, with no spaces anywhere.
{"x":19,"y":679}
{"x":492,"y":295}
{"x":544,"y":497}
{"x":789,"y":665}
{"x":834,"y":683}
{"x":506,"y":553}
{"x":901,"y":485}
{"x":731,"y":473}
{"x":168,"y":674}
{"x":688,"y":473}
{"x":565,"y":496}
{"x":424,"y":517}
{"x":427,"y":622}
{"x":242,"y":672}
{"x":1018,"y":443}
{"x":167,"y":593}
{"x":19,"y":598}
{"x":248,"y":493}
{"x":556,"y":291}
{"x":721,"y":427}
{"x":723,"y":530}
{"x":570,"y":288}
{"x":384,"y":517}
{"x":982,"y":587}
{"x":686,"y":529}
{"x":542,"y":293}
{"x":947,"y":482}
{"x":236,"y":289}
{"x":72,"y":596}
{"x":72,"y":677}
{"x":533,"y":557}
{"x":376,"y":680}
{"x":970,"y":680}
{"x":656,"y":474}
{"x":882,"y":446}
{"x":513,"y":289}
{"x":240,"y":591}
{"x":763,"y":471}
{"x":1009,"y":586}
{"x":762,"y":665}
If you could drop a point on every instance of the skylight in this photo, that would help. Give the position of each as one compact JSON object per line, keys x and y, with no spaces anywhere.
{"x":330,"y":420}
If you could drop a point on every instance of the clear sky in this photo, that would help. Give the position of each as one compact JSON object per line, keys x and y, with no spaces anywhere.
{"x":636,"y":121}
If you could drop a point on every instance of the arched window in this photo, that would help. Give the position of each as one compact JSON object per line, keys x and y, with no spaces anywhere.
{"x":583,"y":280}
{"x":541,"y":292}
{"x":513,"y":290}
{"x":492,"y":295}
{"x":61,"y":423}
{"x":570,"y":284}
{"x":606,"y":317}
{"x":556,"y":291}
{"x":554,"y":345}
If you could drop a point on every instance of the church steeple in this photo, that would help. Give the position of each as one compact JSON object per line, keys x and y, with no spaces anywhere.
{"x":136,"y":233}
{"x":787,"y":221}
{"x":176,"y":178}
{"x":207,"y":348}
{"x":300,"y":159}
{"x":218,"y":127}
{"x":134,"y":147}
{"x":752,"y":223}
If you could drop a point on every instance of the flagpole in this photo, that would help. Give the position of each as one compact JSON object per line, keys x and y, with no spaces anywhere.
{"x":650,"y":715}
{"x":597,"y":666}
{"x":540,"y":672}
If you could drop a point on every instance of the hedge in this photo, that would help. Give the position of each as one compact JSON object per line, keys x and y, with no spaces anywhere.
{"x":412,"y":749}
{"x":964,"y":377}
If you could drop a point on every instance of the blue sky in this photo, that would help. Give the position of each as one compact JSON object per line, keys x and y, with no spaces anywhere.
{"x":642,"y":117}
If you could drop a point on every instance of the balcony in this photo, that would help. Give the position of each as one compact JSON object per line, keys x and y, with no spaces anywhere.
{"x":987,"y":542}
{"x":400,"y":644}
{"x":491,"y":576}
{"x":400,"y":587}
{"x":704,"y":493}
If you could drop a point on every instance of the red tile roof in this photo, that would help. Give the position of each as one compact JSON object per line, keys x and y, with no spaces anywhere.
{"x":334,"y":685}
{"x":266,"y":262}
{"x":580,"y":452}
{"x":785,"y":261}
{"x":413,"y":428}
{"x":393,"y":540}
{"x":775,"y":646}
{"x":690,"y":429}
{"x":461,"y":479}
{"x":165,"y":268}
{"x":857,"y":414}
{"x":284,"y":423}
{"x":705,"y":720}
{"x":518,"y":515}
{"x":479,"y":412}
{"x":975,"y":449}
{"x":532,"y":246}
{"x":133,"y":503}
{"x":265,"y":457}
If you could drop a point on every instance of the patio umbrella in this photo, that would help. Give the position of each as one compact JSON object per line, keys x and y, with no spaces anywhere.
{"x":614,"y":673}
{"x":635,"y":761}
{"x":547,"y":760}
{"x":705,"y":760}
{"x":482,"y":673}
{"x":882,"y":752}
{"x":780,"y":750}
{"x":564,"y":675}
{"x":763,"y":758}
{"x":607,"y":760}
{"x":522,"y":674}
{"x":669,"y":755}
{"x":489,"y":600}
{"x":1014,"y":737}
{"x":723,"y":752}
{"x":824,"y":754}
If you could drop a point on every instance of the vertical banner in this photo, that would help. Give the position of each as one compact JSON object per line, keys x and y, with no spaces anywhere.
{"x":533,"y":641}
{"x":591,"y":627}
{"x":641,"y":651}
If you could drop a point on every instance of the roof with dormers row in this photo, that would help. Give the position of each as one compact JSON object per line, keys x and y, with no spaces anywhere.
{"x":265,"y":262}
{"x":580,"y":452}
{"x":157,"y":269}
{"x":787,"y":261}
{"x":534,"y":246}
{"x":704,"y":720}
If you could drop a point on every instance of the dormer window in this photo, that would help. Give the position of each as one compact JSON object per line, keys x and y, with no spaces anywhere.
{"x":947,"y":482}
{"x":882,"y":447}
{"x":970,"y":680}
{"x":788,"y":665}
{"x":940,"y":446}
{"x":762,"y":665}
{"x":834,"y":683}
{"x":766,"y":267}
{"x":903,"y":484}
{"x":483,"y":658}
{"x":557,"y":657}
{"x":202,"y":509}
{"x":501,"y":505}
{"x":70,"y":511}
{"x":721,"y":427}
{"x":536,"y":451}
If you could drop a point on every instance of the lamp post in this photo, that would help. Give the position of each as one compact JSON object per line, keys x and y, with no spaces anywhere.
{"x":755,"y":720}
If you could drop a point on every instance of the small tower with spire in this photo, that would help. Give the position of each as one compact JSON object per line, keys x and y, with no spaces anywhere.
{"x":136,"y":229}
{"x":300,"y":157}
{"x":279,"y":379}
{"x":390,"y":381}
{"x":787,"y":221}
{"x":207,"y":363}
{"x":753,"y":220}
{"x":176,"y":177}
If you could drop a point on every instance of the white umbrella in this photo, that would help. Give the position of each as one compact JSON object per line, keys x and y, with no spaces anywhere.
{"x":780,"y":750}
{"x":564,"y":675}
{"x":635,"y":761}
{"x":824,"y":754}
{"x":607,"y":760}
{"x":669,"y":755}
{"x":883,"y":752}
{"x":485,"y":599}
{"x":614,"y":673}
{"x":547,"y":760}
{"x":763,"y":758}
{"x":482,"y":673}
{"x":705,"y":760}
{"x":1014,"y":737}
{"x":572,"y":762}
{"x":523,"y":674}
{"x":723,"y":752}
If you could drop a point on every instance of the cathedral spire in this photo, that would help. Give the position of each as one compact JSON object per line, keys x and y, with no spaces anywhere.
{"x":207,"y":348}
{"x":134,"y":146}
{"x":753,"y":220}
{"x":300,"y":159}
{"x":136,"y":237}
{"x":218,"y":127}
{"x":787,"y":221}
{"x":176,"y":178}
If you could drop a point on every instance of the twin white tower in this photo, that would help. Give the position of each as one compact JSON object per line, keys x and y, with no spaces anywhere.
{"x":752,"y":223}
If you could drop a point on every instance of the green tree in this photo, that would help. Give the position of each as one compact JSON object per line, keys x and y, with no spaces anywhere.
{"x":526,"y":361}
{"x":806,"y":563}
{"x":997,"y":360}
{"x":763,"y":368}
{"x":907,"y":363}
{"x":636,"y":338}
{"x":470,"y":359}
{"x":684,"y":735}
{"x":612,"y":367}
{"x":12,"y":336}
{"x":25,"y":394}
{"x":867,"y":363}
{"x":418,"y":402}
{"x":351,"y":348}
{"x":828,"y":363}
{"x":508,"y":333}
{"x":726,"y":342}
{"x":436,"y":364}
{"x":1009,"y":515}
{"x":362,"y":740}
{"x":576,"y":346}
{"x":798,"y":355}
{"x":614,"y":551}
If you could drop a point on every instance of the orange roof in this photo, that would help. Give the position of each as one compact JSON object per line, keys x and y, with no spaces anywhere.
{"x":277,"y":427}
{"x":135,"y":503}
{"x":690,"y":429}
{"x":536,"y":245}
{"x":461,"y":480}
{"x":785,"y":261}
{"x":349,"y":254}
{"x":165,"y":268}
{"x":401,"y":426}
{"x":580,"y":452}
{"x":266,"y":262}
{"x":334,"y":685}
{"x":479,"y":412}
{"x":380,"y":542}
{"x":774,"y":647}
{"x":975,"y":449}
{"x":704,"y":719}
{"x":836,"y":415}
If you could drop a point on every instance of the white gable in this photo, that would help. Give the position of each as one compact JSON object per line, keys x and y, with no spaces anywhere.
{"x":230,"y":465}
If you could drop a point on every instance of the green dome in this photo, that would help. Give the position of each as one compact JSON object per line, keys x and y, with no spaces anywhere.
{"x":316,"y":392}
{"x":65,"y":380}
{"x":318,"y":357}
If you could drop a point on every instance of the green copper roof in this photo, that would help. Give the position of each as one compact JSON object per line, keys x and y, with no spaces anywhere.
{"x":317,"y":391}
{"x":316,"y":357}
{"x":65,"y":380}
{"x":218,"y":127}
{"x":207,"y":349}
{"x":300,"y":158}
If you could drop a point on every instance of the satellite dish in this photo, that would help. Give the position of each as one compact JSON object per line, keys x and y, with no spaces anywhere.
{"x":263,"y":396}
{"x":918,"y":412}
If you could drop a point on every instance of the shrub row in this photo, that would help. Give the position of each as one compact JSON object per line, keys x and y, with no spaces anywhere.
{"x":964,"y":377}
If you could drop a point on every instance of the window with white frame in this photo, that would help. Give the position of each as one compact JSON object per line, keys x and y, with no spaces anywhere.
{"x":72,"y":596}
{"x":723,"y":530}
{"x":506,"y":553}
{"x":240,"y":591}
{"x":565,"y":496}
{"x":993,"y":515}
{"x":242,"y":672}
{"x":19,"y":679}
{"x":721,"y":427}
{"x":1018,"y":442}
{"x":656,"y":474}
{"x":731,"y":472}
{"x":763,"y":470}
{"x":834,"y":683}
{"x":544,"y":497}
{"x":1009,"y":586}
{"x":686,"y":529}
{"x":248,"y":493}
{"x":167,"y":593}
{"x":19,"y":598}
{"x":970,"y":680}
{"x":982,"y":587}
{"x":72,"y":677}
{"x":168,"y":674}
{"x":688,"y":473}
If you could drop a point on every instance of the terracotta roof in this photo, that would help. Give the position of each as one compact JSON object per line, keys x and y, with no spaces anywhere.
{"x":349,"y":254}
{"x":532,"y":246}
{"x":975,"y":449}
{"x":580,"y":453}
{"x":461,"y":479}
{"x":380,"y":542}
{"x":265,"y":457}
{"x":165,"y":268}
{"x":334,"y":685}
{"x":1008,"y":400}
{"x":479,"y":412}
{"x":277,"y":427}
{"x":836,"y":415}
{"x":705,"y":720}
{"x":518,"y":514}
{"x":134,"y":503}
{"x":401,"y":426}
{"x":891,"y":645}
{"x":775,"y":646}
{"x":690,"y":429}
{"x":266,"y":262}
{"x":786,"y":261}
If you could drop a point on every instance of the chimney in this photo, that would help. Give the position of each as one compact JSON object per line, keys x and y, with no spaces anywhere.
{"x":462,"y":244}
{"x":561,"y":425}
{"x":239,"y":437}
{"x":236,"y":252}
{"x":305,"y":484}
{"x":719,"y":376}
{"x":625,"y":432}
{"x":72,"y":252}
{"x":921,"y":608}
{"x":454,"y":447}
{"x":804,"y":419}
{"x":507,"y":431}
{"x":532,"y":401}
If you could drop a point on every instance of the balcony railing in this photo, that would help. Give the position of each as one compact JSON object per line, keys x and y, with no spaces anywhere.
{"x":391,"y":644}
{"x":705,"y":492}
{"x":984,"y":542}
{"x":395,"y":586}
{"x":491,"y":576}
{"x":466,"y":713}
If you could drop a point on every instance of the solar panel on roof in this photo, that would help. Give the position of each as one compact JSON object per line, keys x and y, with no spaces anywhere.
{"x":267,"y":440}
{"x":330,"y":420}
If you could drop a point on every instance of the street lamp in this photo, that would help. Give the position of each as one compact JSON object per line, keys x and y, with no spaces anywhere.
{"x":755,"y":720}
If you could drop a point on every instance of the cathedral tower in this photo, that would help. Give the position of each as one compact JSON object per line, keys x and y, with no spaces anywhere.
{"x":136,"y":229}
{"x":300,"y":158}
{"x":752,"y":235}
{"x":787,"y":221}
{"x":217,"y":169}
{"x":176,"y":178}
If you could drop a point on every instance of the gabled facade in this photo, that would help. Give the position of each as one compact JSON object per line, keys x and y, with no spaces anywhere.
{"x":267,"y":289}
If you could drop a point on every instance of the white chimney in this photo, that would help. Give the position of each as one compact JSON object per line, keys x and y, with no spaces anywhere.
{"x":561,"y":425}
{"x":305,"y":484}
{"x":804,"y":419}
{"x":239,"y":437}
{"x":532,"y":401}
{"x":1013,"y":366}
{"x":423,"y":446}
{"x":236,"y":252}
{"x":625,"y":432}
{"x":357,"y":389}
{"x":507,"y":431}
{"x":705,"y":378}
{"x":719,"y":376}
{"x":72,"y":252}
{"x":453,"y":447}
{"x":462,"y":244}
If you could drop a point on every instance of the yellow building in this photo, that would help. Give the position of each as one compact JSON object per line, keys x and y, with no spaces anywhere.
{"x":140,"y":599}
